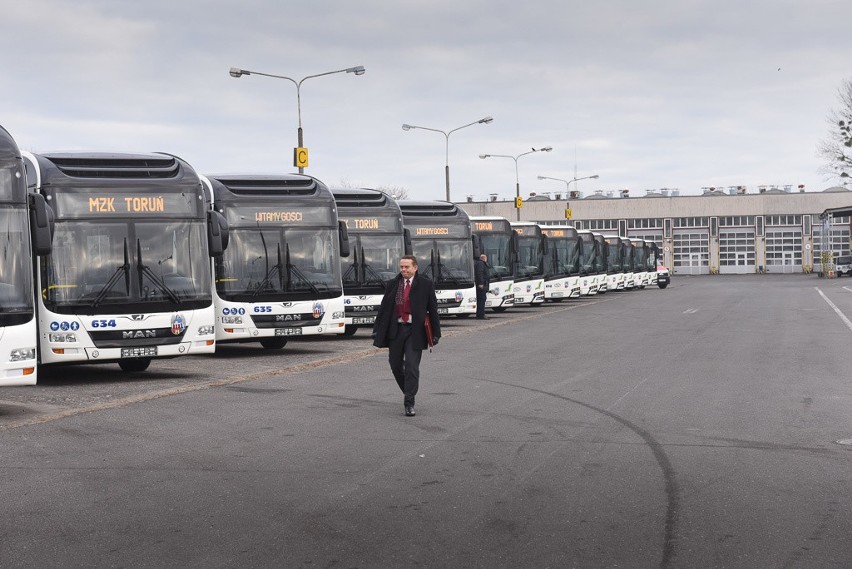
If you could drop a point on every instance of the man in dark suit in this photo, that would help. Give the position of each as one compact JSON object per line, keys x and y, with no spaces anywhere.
{"x":409,"y":299}
{"x":482,"y":278}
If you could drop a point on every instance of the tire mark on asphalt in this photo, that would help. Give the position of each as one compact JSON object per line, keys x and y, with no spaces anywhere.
{"x":672,"y":489}
{"x":269,"y":374}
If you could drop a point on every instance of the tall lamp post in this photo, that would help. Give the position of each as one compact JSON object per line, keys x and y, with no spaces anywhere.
{"x":447,"y":134}
{"x":568,"y":182}
{"x":298,"y":161}
{"x":517,"y":181}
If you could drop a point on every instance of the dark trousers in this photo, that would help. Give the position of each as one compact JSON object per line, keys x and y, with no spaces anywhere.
{"x":480,"y":301}
{"x":404,"y":360}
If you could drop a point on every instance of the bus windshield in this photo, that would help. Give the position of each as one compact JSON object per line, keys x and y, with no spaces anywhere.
{"x":112,"y":266}
{"x":565,"y":259}
{"x":16,"y":300}
{"x":277,"y":262}
{"x":588,"y":262}
{"x":614,"y":260}
{"x":374,"y":260}
{"x":445,"y":261}
{"x":530,"y":257}
{"x":498,"y":248}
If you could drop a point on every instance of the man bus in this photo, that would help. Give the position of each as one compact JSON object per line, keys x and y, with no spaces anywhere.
{"x":588,"y":263}
{"x":562,"y":263}
{"x":529,"y":269}
{"x":442,"y":243}
{"x":496,"y":239}
{"x":614,"y":262}
{"x":377,"y":240}
{"x":280,"y":276}
{"x":129,"y":277}
{"x":25,"y":226}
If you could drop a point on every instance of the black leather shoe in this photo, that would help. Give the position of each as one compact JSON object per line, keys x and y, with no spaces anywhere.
{"x":409,"y":412}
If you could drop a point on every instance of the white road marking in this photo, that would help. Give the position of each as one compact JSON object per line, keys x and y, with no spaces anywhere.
{"x":690,"y":311}
{"x":834,"y":307}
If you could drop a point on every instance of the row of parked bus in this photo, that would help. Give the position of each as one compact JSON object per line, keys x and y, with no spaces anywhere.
{"x":126,"y":258}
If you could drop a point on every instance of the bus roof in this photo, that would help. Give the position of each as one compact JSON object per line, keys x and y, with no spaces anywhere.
{"x":290,"y":186}
{"x":364,"y":198}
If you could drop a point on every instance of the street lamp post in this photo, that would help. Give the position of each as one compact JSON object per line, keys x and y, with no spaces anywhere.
{"x":237,"y":73}
{"x":447,"y":134}
{"x":568,"y":182}
{"x":515,"y":158}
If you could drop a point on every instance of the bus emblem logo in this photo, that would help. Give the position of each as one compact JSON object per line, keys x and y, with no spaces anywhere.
{"x":178,"y":324}
{"x":318,"y":310}
{"x":137,"y":317}
{"x":459,"y":296}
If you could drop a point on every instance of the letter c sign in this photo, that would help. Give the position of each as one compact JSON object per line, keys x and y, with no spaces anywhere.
{"x":300,"y":157}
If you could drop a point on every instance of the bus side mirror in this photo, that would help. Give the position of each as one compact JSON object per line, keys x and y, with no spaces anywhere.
{"x":545,"y":244}
{"x":406,"y":242}
{"x":513,"y":242}
{"x":343,"y":237}
{"x":218,"y":234}
{"x":477,"y":247}
{"x":41,"y":224}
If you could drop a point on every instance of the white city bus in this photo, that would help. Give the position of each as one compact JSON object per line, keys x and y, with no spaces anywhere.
{"x":498,"y":241}
{"x":377,"y":240}
{"x":641,"y":276}
{"x":529,"y":269}
{"x":562,"y":263}
{"x":601,"y":263}
{"x":280,"y":275}
{"x":614,"y":262}
{"x":588,"y":263}
{"x":627,"y":263}
{"x":128,"y":279}
{"x":24,"y":221}
{"x":442,"y":243}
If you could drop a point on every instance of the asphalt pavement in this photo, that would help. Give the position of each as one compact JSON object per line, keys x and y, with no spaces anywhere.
{"x":695,"y":426}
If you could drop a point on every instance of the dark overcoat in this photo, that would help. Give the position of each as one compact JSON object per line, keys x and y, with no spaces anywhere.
{"x":423,"y":301}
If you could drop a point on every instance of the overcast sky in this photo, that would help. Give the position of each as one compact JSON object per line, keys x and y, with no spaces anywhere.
{"x":647,"y":95}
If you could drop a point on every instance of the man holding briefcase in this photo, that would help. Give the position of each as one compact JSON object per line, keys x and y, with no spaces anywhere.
{"x":400,"y":326}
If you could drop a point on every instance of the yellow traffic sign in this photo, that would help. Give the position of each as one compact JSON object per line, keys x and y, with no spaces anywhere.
{"x":519,"y":202}
{"x":300,"y":157}
{"x":567,"y":213}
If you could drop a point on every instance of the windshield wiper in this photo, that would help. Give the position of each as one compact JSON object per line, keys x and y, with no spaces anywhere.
{"x":294,"y":270}
{"x":125,"y":268}
{"x":365,"y":268}
{"x":352,"y":268}
{"x":145,"y":270}
{"x":276,"y":268}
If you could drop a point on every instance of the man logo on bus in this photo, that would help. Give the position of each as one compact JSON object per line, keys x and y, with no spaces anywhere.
{"x":178,"y":324}
{"x":319,"y":310}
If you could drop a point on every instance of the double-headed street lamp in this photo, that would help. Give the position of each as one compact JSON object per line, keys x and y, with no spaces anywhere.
{"x":517,"y":181}
{"x":568,"y":182}
{"x":447,"y":134}
{"x":300,"y":157}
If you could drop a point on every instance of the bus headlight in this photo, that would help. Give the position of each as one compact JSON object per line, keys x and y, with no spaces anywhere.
{"x":21,"y":354}
{"x":337,"y":315}
{"x":62,"y":337}
{"x":206,"y":330}
{"x":232,"y":320}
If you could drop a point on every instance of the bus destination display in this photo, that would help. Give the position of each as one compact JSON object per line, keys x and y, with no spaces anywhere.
{"x":374,"y":223}
{"x":106,"y":204}
{"x":254,"y":215}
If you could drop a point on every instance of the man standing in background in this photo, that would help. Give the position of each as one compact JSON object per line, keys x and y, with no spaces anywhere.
{"x":482,"y":278}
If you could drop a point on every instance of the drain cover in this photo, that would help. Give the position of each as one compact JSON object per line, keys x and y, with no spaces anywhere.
{"x":847,"y":442}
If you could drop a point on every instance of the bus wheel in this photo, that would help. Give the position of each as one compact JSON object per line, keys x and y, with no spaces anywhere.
{"x":462,"y":315}
{"x":555,"y":300}
{"x":134,"y":364}
{"x":273,"y":343}
{"x":350,"y":330}
{"x":662,"y":285}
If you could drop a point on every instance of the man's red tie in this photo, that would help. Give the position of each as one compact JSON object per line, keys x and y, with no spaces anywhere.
{"x":406,"y":306}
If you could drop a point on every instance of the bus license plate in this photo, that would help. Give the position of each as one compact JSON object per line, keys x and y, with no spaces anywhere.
{"x":288,"y":331}
{"x":146,"y":352}
{"x":364,"y":320}
{"x":443,"y":310}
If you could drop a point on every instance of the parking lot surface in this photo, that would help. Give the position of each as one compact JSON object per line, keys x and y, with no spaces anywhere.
{"x":695,"y":426}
